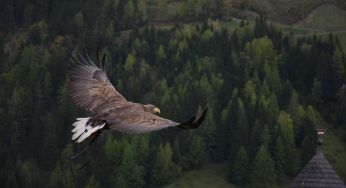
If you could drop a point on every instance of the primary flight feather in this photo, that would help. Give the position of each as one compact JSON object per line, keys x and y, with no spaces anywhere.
{"x":91,"y":89}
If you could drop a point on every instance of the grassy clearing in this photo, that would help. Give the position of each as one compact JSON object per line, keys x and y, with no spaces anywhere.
{"x":327,"y":17}
{"x":296,"y":31}
{"x":335,"y":151}
{"x":209,"y":176}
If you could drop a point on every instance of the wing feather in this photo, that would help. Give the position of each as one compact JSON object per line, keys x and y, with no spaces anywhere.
{"x":90,"y":87}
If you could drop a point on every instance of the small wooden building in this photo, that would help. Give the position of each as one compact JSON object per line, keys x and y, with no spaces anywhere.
{"x":318,"y":173}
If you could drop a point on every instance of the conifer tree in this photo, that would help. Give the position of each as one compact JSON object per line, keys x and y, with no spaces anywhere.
{"x":62,"y":175}
{"x":241,"y":130}
{"x":129,"y":13}
{"x":262,"y":172}
{"x":266,"y":137}
{"x":339,"y":64}
{"x":130,"y":173}
{"x":163,"y":165}
{"x":195,"y":156}
{"x":92,"y":182}
{"x":286,"y":129}
{"x":29,"y":175}
{"x":160,"y":54}
{"x":238,"y":169}
{"x":308,"y":148}
{"x":316,"y":92}
{"x":279,"y":157}
{"x":142,"y":11}
{"x":130,"y":63}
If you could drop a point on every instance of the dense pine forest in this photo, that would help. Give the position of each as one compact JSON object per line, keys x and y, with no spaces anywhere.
{"x":266,"y":91}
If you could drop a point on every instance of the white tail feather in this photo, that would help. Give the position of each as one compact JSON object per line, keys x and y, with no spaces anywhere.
{"x":82,"y":130}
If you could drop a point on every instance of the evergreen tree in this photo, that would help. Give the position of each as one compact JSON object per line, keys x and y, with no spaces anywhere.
{"x":29,"y":175}
{"x":262,"y":172}
{"x":279,"y":157}
{"x":239,"y":168}
{"x":339,"y":64}
{"x":287,"y":132}
{"x":308,"y":148}
{"x":286,"y":126}
{"x":142,"y":11}
{"x":129,"y":14}
{"x":62,"y":175}
{"x":160,"y":54}
{"x":65,"y":114}
{"x":163,"y":167}
{"x":266,"y":137}
{"x":130,"y":173}
{"x":195,"y":155}
{"x":92,"y":182}
{"x":130,"y":63}
{"x":316,"y":93}
{"x":79,"y":22}
{"x":341,"y":95}
{"x":241,"y":134}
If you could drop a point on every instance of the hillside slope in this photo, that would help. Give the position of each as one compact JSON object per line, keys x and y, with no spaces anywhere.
{"x":286,"y":11}
{"x":326,"y":17}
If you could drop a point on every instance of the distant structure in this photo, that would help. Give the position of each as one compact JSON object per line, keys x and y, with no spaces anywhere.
{"x":318,"y":172}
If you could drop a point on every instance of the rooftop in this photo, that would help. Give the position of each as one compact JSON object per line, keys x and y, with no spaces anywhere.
{"x":318,"y":173}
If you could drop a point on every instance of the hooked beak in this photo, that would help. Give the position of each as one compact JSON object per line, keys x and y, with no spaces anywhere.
{"x":157,"y":111}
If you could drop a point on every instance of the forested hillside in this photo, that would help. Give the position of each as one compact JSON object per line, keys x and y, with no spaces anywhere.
{"x":267,"y":92}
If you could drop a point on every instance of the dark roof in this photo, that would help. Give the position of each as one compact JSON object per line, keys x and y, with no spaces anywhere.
{"x":318,"y":173}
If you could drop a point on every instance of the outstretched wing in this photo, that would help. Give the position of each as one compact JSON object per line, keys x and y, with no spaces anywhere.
{"x":90,"y":87}
{"x":133,"y":119}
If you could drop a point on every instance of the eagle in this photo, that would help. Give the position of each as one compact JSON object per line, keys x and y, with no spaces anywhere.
{"x":91,"y":89}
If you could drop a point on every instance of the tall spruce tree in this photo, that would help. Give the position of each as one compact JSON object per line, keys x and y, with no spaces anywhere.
{"x":62,"y":175}
{"x":196,"y":152}
{"x":130,"y":173}
{"x":262,"y":172}
{"x":239,"y":168}
{"x":288,"y":137}
{"x":279,"y":157}
{"x":163,"y":165}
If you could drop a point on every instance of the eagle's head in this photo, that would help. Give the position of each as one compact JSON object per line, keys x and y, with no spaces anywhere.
{"x":151,"y":108}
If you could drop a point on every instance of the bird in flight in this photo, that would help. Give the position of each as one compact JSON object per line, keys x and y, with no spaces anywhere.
{"x":91,"y":89}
